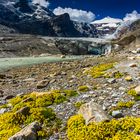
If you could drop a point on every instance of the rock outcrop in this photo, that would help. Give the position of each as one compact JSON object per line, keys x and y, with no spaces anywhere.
{"x":92,"y":112}
{"x":28,"y":133}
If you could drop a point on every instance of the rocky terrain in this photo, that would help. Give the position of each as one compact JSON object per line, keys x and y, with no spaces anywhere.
{"x":112,"y":82}
{"x":96,"y":97}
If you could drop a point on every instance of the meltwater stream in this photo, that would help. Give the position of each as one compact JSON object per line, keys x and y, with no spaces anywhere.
{"x":8,"y":63}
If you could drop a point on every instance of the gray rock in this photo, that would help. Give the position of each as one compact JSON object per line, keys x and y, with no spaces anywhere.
{"x":3,"y":110}
{"x":111,"y":81}
{"x":27,"y":133}
{"x":117,"y":114}
{"x":8,"y":97}
{"x":133,"y":65}
{"x":42,"y":84}
{"x":138,"y":50}
{"x":92,"y":112}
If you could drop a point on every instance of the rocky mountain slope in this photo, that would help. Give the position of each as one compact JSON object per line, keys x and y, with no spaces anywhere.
{"x":128,"y":35}
{"x":107,"y":26}
{"x":29,"y":18}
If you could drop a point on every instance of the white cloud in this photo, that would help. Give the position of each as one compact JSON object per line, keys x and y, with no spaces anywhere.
{"x":132,"y":16}
{"x":43,"y":3}
{"x":75,"y":14}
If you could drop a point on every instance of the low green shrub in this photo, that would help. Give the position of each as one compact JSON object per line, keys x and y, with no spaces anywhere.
{"x":127,"y":128}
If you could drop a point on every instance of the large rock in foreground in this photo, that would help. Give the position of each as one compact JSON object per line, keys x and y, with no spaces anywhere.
{"x":92,"y":112}
{"x":28,"y":133}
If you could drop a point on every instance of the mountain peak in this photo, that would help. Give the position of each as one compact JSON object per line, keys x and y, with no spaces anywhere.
{"x":107,"y":20}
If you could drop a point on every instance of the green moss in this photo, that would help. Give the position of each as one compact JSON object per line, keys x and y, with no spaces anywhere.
{"x":15,"y":100}
{"x":78,"y":104}
{"x":121,"y":105}
{"x":41,"y":115}
{"x":118,"y":75}
{"x":70,"y":93}
{"x":123,"y":129}
{"x":99,"y":70}
{"x":128,"y":104}
{"x":83,"y":88}
{"x":4,"y":106}
{"x":133,"y":93}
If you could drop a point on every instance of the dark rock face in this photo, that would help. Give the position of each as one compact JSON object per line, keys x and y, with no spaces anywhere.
{"x":23,"y":6}
{"x":29,"y":18}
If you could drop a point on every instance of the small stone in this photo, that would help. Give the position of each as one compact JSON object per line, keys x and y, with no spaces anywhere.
{"x":63,"y":56}
{"x":138,"y":50}
{"x":52,"y":81}
{"x":42,"y":84}
{"x":3,"y":110}
{"x":117,"y":114}
{"x":114,"y":95}
{"x":8,"y":97}
{"x":122,"y":88}
{"x":2,"y":76}
{"x":128,"y":78}
{"x":91,"y":92}
{"x":63,"y":73}
{"x":29,"y":80}
{"x":133,"y":65}
{"x":104,"y":108}
{"x":134,"y":52}
{"x":131,"y":58}
{"x":111,"y":81}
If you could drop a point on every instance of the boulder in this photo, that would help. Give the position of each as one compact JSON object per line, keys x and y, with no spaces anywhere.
{"x":27,"y":133}
{"x":92,"y":112}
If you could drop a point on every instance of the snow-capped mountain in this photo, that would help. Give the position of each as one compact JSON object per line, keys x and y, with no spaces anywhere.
{"x":107,"y":25}
{"x":27,"y":17}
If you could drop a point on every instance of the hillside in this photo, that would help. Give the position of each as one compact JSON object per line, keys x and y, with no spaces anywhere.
{"x":21,"y":16}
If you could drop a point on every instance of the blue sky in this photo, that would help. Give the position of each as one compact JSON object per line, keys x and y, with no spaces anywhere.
{"x":101,"y":8}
